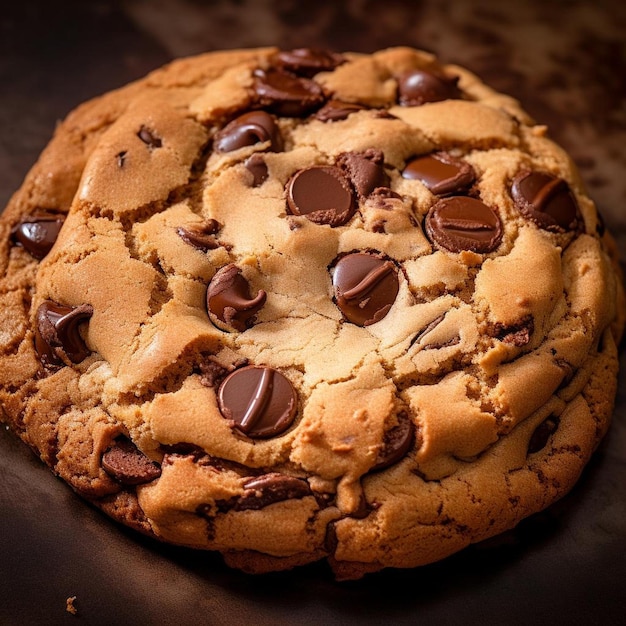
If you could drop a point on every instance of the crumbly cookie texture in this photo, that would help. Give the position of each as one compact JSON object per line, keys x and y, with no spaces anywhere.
{"x":295,"y":305}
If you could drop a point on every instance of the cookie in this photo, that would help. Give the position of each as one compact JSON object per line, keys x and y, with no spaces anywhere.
{"x":302,"y":305}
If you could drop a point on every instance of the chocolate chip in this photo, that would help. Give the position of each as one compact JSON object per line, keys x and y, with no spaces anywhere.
{"x":124,"y":462}
{"x":546,"y":200}
{"x":262,"y":491}
{"x":365,"y":287}
{"x":539,"y":438}
{"x":418,"y":87}
{"x":285,"y":94}
{"x":249,"y":129}
{"x":256,"y":165}
{"x":336,"y":110}
{"x":322,"y":194}
{"x":461,"y":223}
{"x":396,"y":442}
{"x":149,"y":138}
{"x":57,"y":333}
{"x":442,"y":173}
{"x":37,"y":234}
{"x":308,"y":61}
{"x":517,"y":334}
{"x":200,"y":237}
{"x":259,"y":401}
{"x":228,"y":300}
{"x":365,"y":169}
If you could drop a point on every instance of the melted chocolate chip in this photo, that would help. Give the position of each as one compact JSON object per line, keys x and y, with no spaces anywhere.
{"x":418,"y":87}
{"x":260,"y":401}
{"x":200,"y":237}
{"x":546,"y":200}
{"x":249,"y":129}
{"x":539,"y":438}
{"x":365,"y":287}
{"x":396,"y":443}
{"x":442,"y":173}
{"x":308,"y":61}
{"x":37,"y":234}
{"x":285,"y":94}
{"x":336,"y":110}
{"x":365,"y":169}
{"x":57,"y":333}
{"x":261,"y":491}
{"x":256,"y":165}
{"x":322,"y":194}
{"x":228,"y":300}
{"x":518,"y":334}
{"x":124,"y":462}
{"x":149,"y":138}
{"x":461,"y":223}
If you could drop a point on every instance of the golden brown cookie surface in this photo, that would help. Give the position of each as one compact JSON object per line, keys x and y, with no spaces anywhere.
{"x":307,"y":305}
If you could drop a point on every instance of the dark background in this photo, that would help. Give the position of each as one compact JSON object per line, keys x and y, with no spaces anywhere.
{"x":566,"y":61}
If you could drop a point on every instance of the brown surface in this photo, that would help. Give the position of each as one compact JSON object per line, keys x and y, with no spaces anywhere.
{"x":567,"y":63}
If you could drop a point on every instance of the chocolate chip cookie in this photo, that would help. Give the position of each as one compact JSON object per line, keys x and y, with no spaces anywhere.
{"x":301,"y":305}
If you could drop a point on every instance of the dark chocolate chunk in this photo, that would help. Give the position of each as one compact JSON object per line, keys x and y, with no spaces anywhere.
{"x":262,"y":491}
{"x":539,"y":438}
{"x":518,"y":334}
{"x":322,"y":194}
{"x":396,"y":443}
{"x":247,"y":130}
{"x":200,"y":237}
{"x":124,"y":462}
{"x":149,"y":138}
{"x":37,"y":234}
{"x":308,"y":61}
{"x":442,"y":173}
{"x":285,"y":94}
{"x":365,"y":169}
{"x":228,"y":300}
{"x":365,"y":287}
{"x":259,"y":401}
{"x":418,"y":87}
{"x":57,"y":333}
{"x":336,"y":110}
{"x":546,"y":200}
{"x":256,"y":165}
{"x":462,"y":223}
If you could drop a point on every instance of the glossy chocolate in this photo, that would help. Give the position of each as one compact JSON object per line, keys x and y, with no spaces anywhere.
{"x":462,"y":223}
{"x":287,"y":95}
{"x":261,"y":491}
{"x":322,"y":194}
{"x":546,"y":200}
{"x":149,"y":138}
{"x":228,"y":300}
{"x":336,"y":110}
{"x":396,"y":443}
{"x":247,"y":130}
{"x":542,"y":434}
{"x":308,"y":61}
{"x":37,"y":234}
{"x":257,"y":166}
{"x":124,"y":462}
{"x":58,"y":329}
{"x":200,"y":237}
{"x":442,"y":173}
{"x":259,"y":401}
{"x":365,"y":287}
{"x":419,"y":87}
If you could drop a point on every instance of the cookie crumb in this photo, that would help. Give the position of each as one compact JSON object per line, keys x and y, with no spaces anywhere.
{"x":69,"y":605}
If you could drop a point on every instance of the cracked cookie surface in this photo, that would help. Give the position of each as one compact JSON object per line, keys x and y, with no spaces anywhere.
{"x":294,"y":305}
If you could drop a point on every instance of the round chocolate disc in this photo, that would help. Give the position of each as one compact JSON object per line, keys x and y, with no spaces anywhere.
{"x":546,"y":200}
{"x":442,"y":173}
{"x":418,"y":87}
{"x":322,"y":194}
{"x":462,"y":223}
{"x":260,"y":401}
{"x":365,"y":287}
